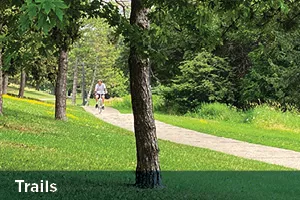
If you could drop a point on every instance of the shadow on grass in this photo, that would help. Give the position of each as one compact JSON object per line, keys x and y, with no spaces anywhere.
{"x":17,"y":96}
{"x":179,"y":185}
{"x":14,"y":90}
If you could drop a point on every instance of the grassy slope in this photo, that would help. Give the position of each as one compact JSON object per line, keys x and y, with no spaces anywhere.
{"x":29,"y":92}
{"x":41,"y":95}
{"x":30,"y":139}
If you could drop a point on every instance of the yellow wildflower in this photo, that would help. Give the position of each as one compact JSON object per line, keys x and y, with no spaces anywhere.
{"x":28,"y":101}
{"x":72,"y":116}
{"x":203,"y":121}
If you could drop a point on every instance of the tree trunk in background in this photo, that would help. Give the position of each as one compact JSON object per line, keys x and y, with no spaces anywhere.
{"x":61,"y":86}
{"x":83,"y":85}
{"x":92,"y":84}
{"x":75,"y":81}
{"x":22,"y":84}
{"x":148,"y":168}
{"x":38,"y":85}
{"x":5,"y":83}
{"x":1,"y":101}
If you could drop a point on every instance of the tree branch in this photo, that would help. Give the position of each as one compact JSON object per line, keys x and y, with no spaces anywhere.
{"x":122,"y":4}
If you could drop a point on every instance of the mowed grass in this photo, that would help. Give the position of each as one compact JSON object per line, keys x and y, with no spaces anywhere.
{"x":89,"y":158}
{"x":262,"y":125}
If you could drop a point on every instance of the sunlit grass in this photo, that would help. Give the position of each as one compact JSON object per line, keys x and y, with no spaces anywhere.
{"x":41,"y":95}
{"x":29,"y":92}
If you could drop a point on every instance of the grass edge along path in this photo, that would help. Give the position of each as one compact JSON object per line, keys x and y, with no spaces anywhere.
{"x":241,"y":132}
{"x":280,"y":138}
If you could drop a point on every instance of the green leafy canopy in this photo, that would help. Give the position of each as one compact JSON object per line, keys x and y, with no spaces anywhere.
{"x":45,"y":13}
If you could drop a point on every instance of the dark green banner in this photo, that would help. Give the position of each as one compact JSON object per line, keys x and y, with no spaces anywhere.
{"x":177,"y":185}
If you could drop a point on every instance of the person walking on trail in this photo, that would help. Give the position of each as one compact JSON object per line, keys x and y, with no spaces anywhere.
{"x":100,"y":91}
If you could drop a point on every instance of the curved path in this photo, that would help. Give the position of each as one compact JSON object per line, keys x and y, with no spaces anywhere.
{"x":175,"y":134}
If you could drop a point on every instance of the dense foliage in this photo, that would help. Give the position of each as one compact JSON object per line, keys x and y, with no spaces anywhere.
{"x":258,"y":41}
{"x":206,"y":78}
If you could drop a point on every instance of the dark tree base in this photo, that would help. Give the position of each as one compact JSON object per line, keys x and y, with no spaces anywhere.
{"x":148,"y":179}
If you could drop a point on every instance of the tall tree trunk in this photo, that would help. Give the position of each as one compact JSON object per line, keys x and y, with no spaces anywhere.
{"x":61,"y":86}
{"x":5,"y":83}
{"x":148,"y":168}
{"x":83,"y":85}
{"x":92,"y":84}
{"x":22,"y":84}
{"x":1,"y":101}
{"x":75,"y":81}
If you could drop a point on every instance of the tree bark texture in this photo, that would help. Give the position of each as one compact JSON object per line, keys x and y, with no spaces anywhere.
{"x":148,"y":173}
{"x":83,"y":85}
{"x":1,"y":101}
{"x":75,"y":81}
{"x":61,"y":86}
{"x":22,"y":84}
{"x":5,"y":83}
{"x":92,"y":85}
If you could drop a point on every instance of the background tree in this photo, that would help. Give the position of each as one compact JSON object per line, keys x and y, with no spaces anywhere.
{"x":5,"y":82}
{"x":75,"y":81}
{"x":8,"y":14}
{"x":62,"y":23}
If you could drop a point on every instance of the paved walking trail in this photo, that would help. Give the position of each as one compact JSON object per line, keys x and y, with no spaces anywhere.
{"x":175,"y":134}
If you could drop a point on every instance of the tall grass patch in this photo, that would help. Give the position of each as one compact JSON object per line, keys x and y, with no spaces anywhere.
{"x":216,"y":111}
{"x":273,"y":118}
{"x":122,"y":104}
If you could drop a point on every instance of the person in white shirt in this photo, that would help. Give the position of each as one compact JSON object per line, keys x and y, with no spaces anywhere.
{"x":100,"y":91}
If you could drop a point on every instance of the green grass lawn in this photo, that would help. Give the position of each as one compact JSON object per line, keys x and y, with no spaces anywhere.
{"x":90,"y":158}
